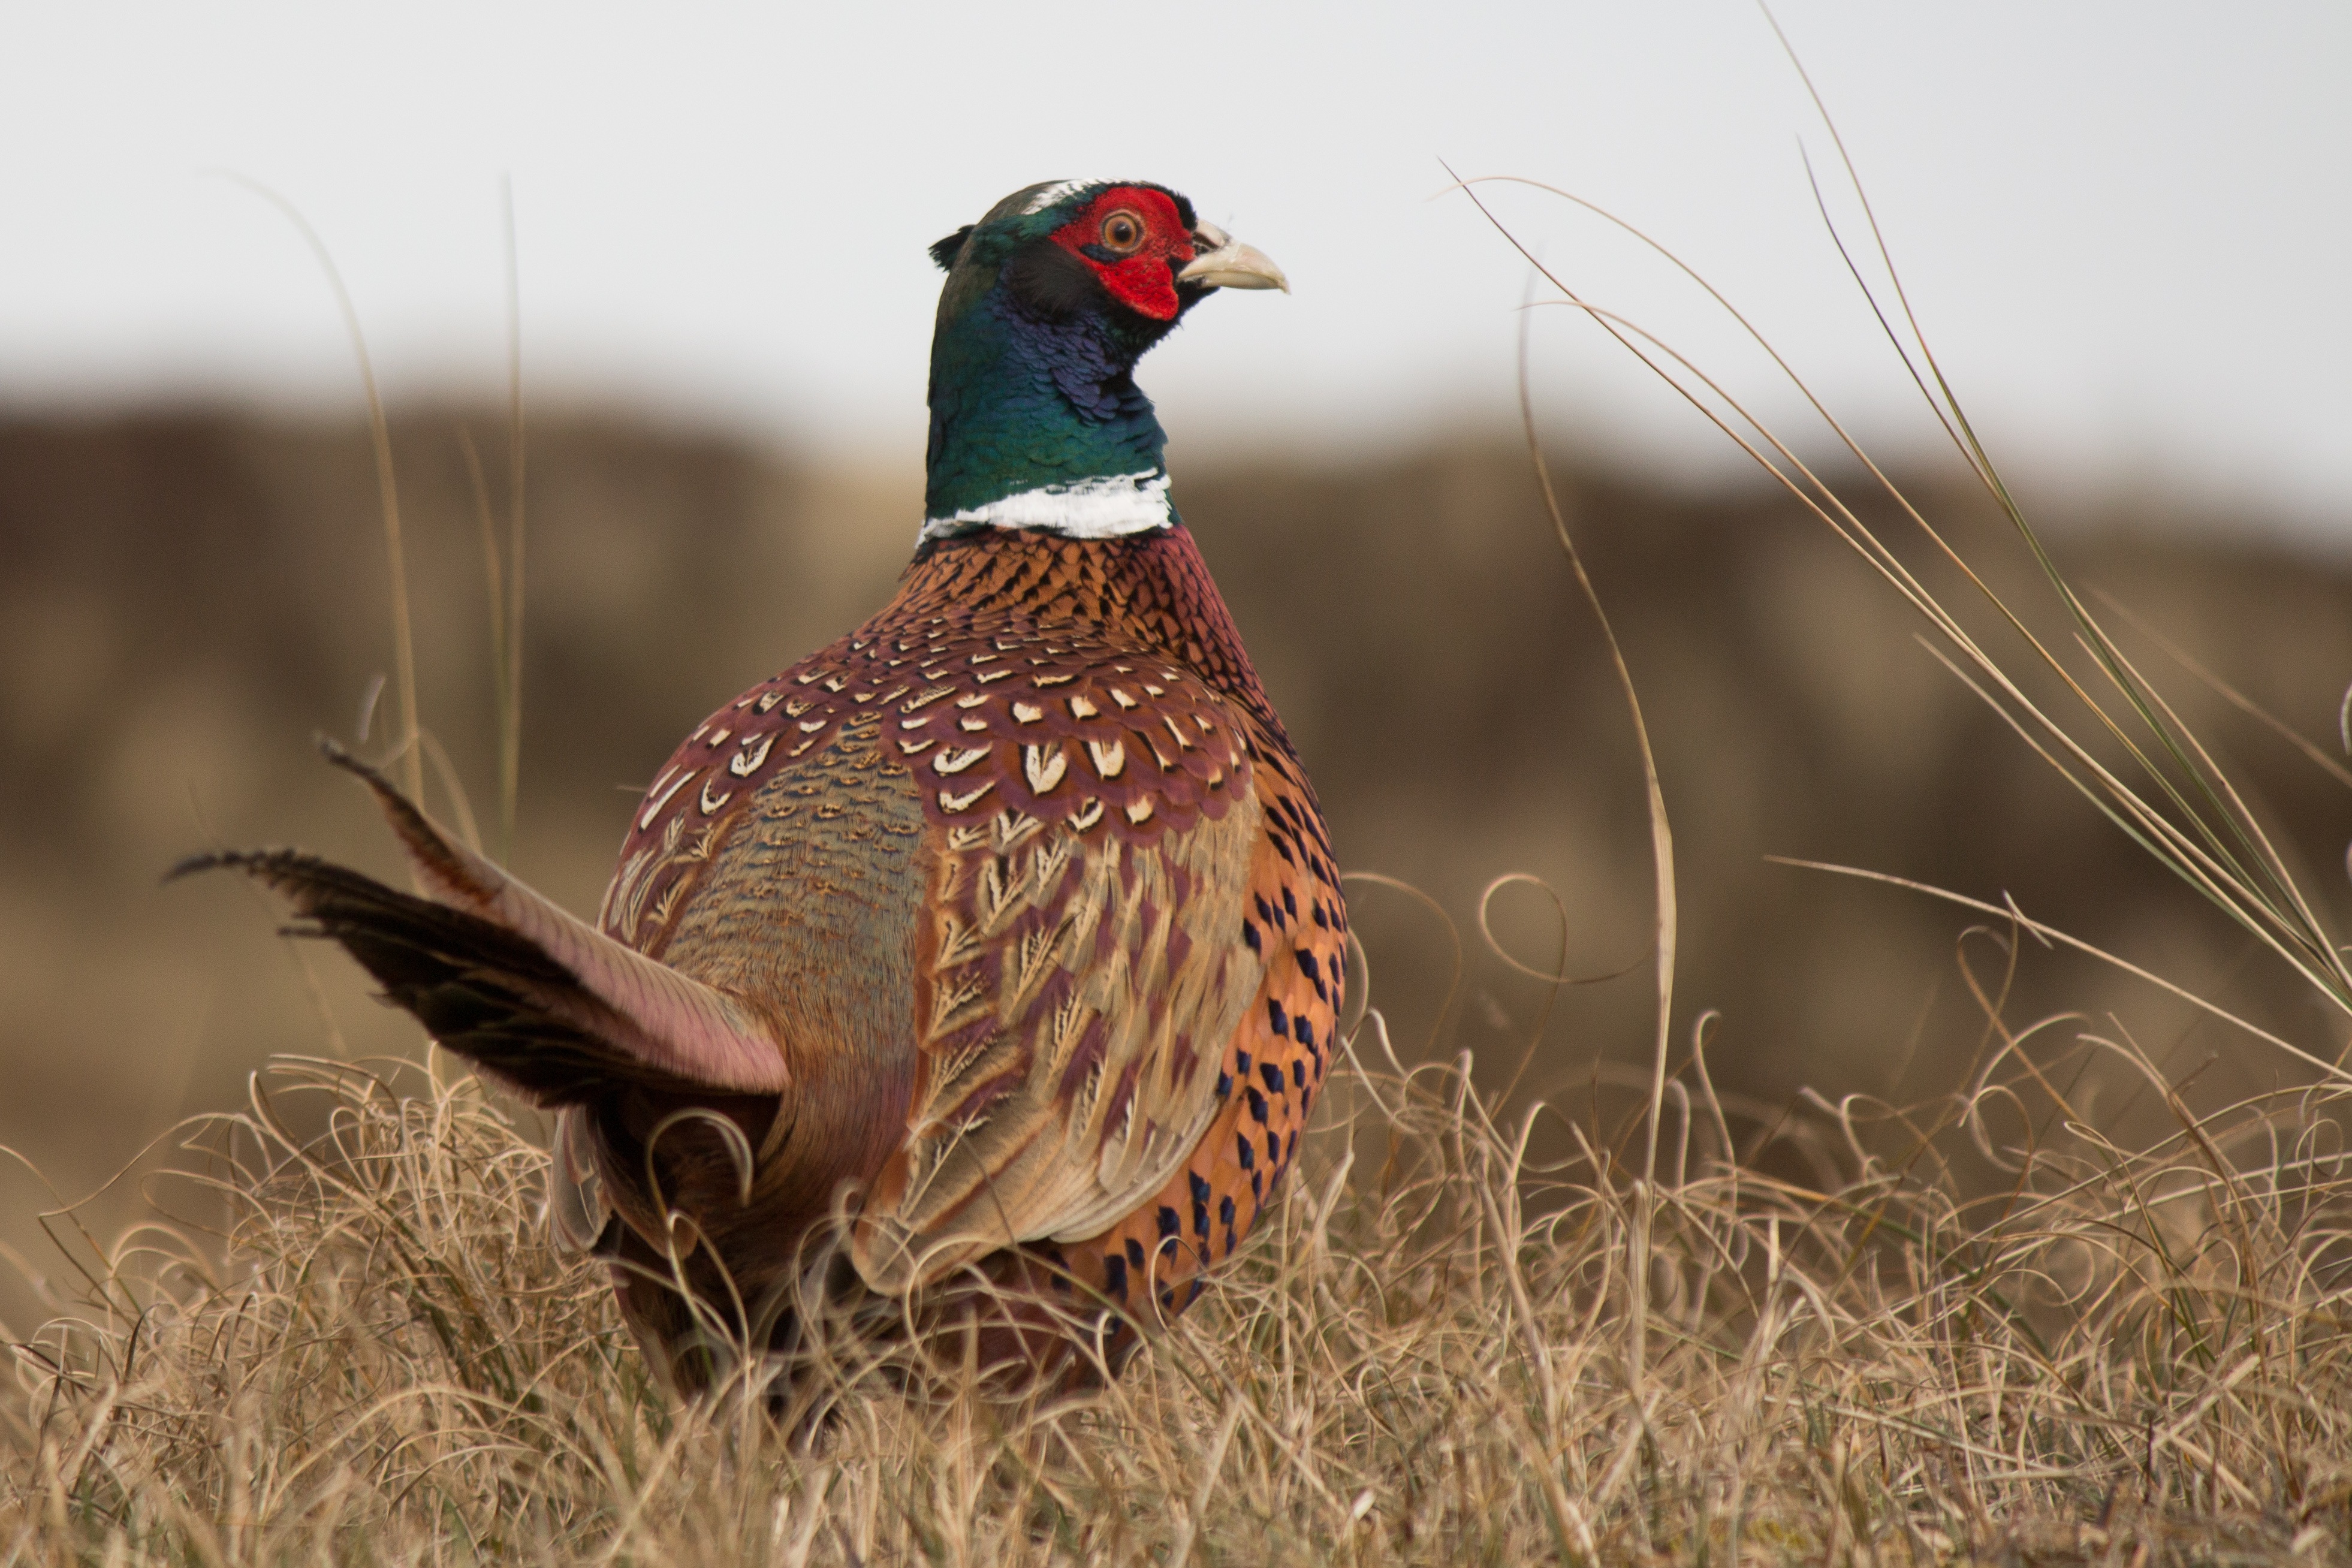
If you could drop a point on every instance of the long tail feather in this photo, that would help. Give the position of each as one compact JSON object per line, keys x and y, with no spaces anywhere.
{"x":504,"y":977}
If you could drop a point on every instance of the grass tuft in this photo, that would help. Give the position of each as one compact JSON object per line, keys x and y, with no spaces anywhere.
{"x":2119,"y":1355}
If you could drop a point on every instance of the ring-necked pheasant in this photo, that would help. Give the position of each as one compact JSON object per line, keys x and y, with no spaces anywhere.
{"x":1003,"y":931}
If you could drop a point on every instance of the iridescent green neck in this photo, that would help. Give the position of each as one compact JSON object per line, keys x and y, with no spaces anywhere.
{"x":1036,"y":421}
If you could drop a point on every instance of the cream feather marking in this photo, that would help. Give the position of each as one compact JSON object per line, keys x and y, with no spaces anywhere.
{"x":1081,"y":992}
{"x":1273,"y":1064}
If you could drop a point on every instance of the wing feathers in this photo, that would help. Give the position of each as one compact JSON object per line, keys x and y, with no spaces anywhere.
{"x":1081,"y":993}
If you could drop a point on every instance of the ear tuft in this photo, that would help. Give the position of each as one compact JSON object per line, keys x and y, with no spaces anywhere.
{"x":943,"y":251}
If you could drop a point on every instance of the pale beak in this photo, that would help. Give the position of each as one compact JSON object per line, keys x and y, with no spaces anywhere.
{"x":1221,"y":261}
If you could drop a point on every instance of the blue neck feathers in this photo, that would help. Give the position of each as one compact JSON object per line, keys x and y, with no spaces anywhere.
{"x":1036,"y":421}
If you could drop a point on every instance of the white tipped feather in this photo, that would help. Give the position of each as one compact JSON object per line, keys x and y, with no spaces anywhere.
{"x":1060,"y":191}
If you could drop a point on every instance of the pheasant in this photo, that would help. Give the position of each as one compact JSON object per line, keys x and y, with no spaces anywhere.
{"x":996,"y":945}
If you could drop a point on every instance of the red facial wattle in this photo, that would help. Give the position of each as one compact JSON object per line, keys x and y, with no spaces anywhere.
{"x":1143,"y":279}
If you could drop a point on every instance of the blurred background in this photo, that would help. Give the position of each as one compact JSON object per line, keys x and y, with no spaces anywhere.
{"x":2122,"y":226}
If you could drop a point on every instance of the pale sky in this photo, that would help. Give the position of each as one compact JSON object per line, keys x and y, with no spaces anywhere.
{"x":2126,"y":226}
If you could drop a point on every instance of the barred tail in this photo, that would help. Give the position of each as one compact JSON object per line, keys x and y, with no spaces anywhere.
{"x":507,"y":979}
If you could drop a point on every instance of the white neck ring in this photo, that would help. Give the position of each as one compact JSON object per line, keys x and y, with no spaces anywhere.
{"x":1105,"y":507}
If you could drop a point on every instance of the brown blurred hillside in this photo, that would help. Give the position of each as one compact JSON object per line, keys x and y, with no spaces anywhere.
{"x":186,"y":599}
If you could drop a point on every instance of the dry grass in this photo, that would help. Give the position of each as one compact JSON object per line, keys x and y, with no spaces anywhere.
{"x":1437,"y":1355}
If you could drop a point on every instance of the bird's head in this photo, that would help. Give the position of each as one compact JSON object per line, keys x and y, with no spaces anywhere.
{"x":1115,"y":248}
{"x":1036,"y":421}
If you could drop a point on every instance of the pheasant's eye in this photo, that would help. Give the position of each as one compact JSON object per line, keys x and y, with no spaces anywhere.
{"x":1122,"y":232}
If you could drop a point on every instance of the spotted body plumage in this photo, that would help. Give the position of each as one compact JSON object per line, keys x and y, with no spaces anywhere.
{"x":1138,"y":938}
{"x":1000,"y":941}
